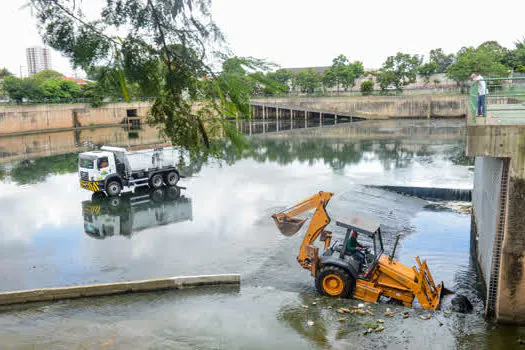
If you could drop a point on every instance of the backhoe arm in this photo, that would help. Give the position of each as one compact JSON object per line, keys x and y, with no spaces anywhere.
{"x":288,"y":225}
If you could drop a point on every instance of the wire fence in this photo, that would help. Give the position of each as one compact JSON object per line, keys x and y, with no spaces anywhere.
{"x":504,"y":100}
{"x":8,"y":102}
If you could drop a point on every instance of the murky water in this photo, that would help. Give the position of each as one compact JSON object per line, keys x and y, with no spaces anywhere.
{"x":53,"y":234}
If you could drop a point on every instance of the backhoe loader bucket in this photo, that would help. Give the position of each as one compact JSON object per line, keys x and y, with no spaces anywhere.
{"x":429,"y":295}
{"x":288,"y":226}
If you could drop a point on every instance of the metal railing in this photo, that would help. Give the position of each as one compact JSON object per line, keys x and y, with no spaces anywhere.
{"x":504,"y":100}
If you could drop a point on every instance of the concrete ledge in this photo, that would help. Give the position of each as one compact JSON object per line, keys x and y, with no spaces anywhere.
{"x":49,"y":294}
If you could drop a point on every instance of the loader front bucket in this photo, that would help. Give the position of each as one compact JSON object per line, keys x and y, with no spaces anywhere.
{"x":429,"y":295}
{"x":288,"y":226}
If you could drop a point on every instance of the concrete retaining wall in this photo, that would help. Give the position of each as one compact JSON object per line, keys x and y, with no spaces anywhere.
{"x":49,"y":294}
{"x":20,"y":119}
{"x":381,"y":106}
{"x":485,"y":205}
{"x":47,"y":144}
{"x":507,"y":142}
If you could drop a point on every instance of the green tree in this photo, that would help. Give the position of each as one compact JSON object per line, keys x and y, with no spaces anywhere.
{"x":515,"y":58}
{"x":59,"y":89}
{"x":164,"y":47}
{"x":367,"y":87}
{"x":20,"y":89}
{"x":485,"y":59}
{"x":308,"y":80}
{"x":441,"y":59}
{"x":4,"y":72}
{"x":426,"y":70}
{"x":342,"y":73}
{"x":399,"y":70}
{"x":276,"y":82}
{"x":47,"y":74}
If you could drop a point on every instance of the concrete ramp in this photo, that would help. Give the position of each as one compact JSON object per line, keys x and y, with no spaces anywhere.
{"x":92,"y":290}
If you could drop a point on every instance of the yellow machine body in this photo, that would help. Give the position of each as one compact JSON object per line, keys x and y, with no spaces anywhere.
{"x":385,"y":277}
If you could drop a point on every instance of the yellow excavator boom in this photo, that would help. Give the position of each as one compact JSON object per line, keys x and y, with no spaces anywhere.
{"x":289,"y":225}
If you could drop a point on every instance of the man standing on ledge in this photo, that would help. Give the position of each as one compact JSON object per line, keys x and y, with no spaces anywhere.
{"x":482,"y":89}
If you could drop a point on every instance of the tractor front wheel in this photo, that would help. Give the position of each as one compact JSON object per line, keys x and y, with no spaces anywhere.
{"x":333,"y":281}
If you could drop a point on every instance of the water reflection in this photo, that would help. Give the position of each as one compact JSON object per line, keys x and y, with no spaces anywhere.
{"x":132,"y":212}
{"x":337,"y":154}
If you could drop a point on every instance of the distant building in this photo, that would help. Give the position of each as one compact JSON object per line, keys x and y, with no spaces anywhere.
{"x":38,"y":59}
{"x":79,"y":82}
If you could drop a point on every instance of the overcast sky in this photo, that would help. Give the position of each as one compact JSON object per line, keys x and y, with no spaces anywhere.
{"x":298,"y":33}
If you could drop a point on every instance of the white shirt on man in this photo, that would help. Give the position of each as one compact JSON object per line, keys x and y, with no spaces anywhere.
{"x":482,"y":85}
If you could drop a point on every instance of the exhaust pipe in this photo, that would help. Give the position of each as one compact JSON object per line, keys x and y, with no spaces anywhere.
{"x":395,"y":246}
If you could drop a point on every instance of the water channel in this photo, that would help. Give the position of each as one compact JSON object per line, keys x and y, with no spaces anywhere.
{"x":53,"y":234}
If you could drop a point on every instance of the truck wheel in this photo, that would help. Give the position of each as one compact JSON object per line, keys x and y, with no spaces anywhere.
{"x":333,"y":281}
{"x":171,"y":178}
{"x":98,"y":196}
{"x":113,"y":188}
{"x":156,"y":181}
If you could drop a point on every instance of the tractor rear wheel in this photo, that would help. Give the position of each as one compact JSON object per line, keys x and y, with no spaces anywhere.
{"x":333,"y":281}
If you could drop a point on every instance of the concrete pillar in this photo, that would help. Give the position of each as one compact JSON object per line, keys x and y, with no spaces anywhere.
{"x":291,"y":119}
{"x":250,"y":127}
{"x":335,"y":119}
{"x":320,"y":119}
{"x":277,"y":117}
{"x":305,"y":119}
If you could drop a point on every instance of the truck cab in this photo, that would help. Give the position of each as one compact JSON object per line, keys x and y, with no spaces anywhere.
{"x":94,"y":168}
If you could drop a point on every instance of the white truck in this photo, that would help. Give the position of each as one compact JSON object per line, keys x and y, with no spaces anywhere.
{"x":112,"y":169}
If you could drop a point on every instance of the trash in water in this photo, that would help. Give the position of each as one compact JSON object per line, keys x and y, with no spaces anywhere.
{"x":310,"y":323}
{"x":425,"y":317}
{"x":361,"y":306}
{"x":380,"y":329}
{"x":380,"y":321}
{"x":389,"y":314}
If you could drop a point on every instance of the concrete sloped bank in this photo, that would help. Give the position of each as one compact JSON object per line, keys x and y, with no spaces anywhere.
{"x":92,"y":290}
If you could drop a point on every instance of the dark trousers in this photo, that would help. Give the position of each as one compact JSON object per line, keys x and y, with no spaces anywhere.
{"x":360,"y":256}
{"x":481,"y":105}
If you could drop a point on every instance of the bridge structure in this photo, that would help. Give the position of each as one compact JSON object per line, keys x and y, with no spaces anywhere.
{"x":287,"y":117}
{"x":496,"y":138}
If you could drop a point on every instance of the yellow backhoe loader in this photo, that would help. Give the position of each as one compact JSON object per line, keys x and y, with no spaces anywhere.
{"x":338,"y":273}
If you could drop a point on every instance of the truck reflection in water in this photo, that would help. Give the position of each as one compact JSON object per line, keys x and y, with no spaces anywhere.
{"x":135,"y":211}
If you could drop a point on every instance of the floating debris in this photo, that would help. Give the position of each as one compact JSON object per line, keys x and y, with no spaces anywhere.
{"x":359,"y":312}
{"x":310,"y":323}
{"x":344,"y":309}
{"x":304,"y":306}
{"x":447,"y":312}
{"x":405,"y":316}
{"x":380,"y":329}
{"x":342,"y":319}
{"x":369,"y":312}
{"x":341,"y":311}
{"x":360,"y":306}
{"x":521,"y":341}
{"x":328,"y":307}
{"x":314,"y":303}
{"x":380,"y":321}
{"x":425,"y":317}
{"x":389,"y":314}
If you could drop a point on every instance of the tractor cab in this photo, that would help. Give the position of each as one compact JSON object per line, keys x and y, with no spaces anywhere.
{"x":368,"y":235}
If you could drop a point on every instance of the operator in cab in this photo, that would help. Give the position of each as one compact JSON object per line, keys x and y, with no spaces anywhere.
{"x":355,"y":248}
